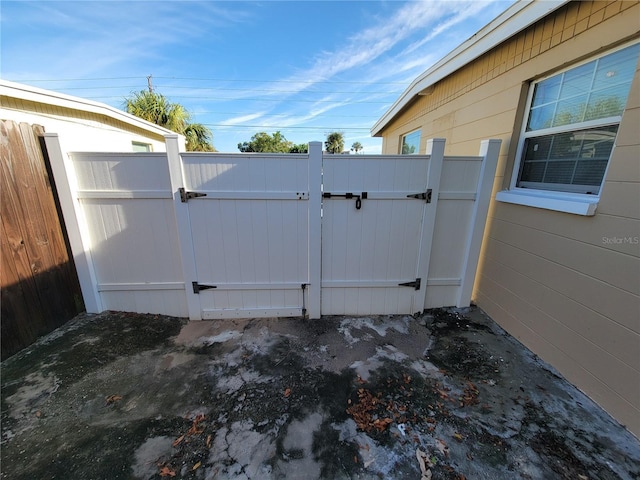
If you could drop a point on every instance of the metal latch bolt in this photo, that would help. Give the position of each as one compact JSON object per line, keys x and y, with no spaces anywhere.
{"x":348,"y":195}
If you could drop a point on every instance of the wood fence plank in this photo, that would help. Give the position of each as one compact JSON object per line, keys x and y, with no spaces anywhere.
{"x":39,"y":285}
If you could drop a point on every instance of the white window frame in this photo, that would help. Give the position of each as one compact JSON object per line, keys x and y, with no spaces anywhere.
{"x":134,"y":144}
{"x":576,"y":203}
{"x":402,"y":138}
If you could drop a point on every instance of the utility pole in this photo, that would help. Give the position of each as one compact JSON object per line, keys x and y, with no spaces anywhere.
{"x":149,"y":83}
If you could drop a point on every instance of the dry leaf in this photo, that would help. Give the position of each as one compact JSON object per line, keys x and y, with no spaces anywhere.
{"x":458,"y":437}
{"x":167,"y":472}
{"x":442,"y":447}
{"x":208,"y":441}
{"x":113,"y":399}
{"x":425,"y":463}
{"x":196,"y":466}
{"x":287,"y":392}
{"x":177,"y":441}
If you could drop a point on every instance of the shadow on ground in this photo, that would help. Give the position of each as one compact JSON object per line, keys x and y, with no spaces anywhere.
{"x":446,"y":395}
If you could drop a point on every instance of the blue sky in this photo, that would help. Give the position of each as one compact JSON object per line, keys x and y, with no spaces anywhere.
{"x":305,"y":68}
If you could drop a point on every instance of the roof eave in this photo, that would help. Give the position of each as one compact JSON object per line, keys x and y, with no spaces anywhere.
{"x":39,"y":95}
{"x":516,"y":18}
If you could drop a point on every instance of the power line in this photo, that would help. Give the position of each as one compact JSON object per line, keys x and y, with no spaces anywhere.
{"x":96,"y":79}
{"x":198,"y":97}
{"x":292,"y":127}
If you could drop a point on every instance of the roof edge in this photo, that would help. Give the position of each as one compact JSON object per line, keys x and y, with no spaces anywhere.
{"x":513,"y":20}
{"x":40,"y":95}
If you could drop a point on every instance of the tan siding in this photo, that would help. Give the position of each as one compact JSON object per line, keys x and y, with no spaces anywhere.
{"x":590,"y":230}
{"x":620,"y":198}
{"x":627,"y":166}
{"x":497,"y":303}
{"x":619,"y":305}
{"x":578,"y":332}
{"x":568,"y":286}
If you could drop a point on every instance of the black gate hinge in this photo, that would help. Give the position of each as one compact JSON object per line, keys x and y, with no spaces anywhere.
{"x":415,"y":284}
{"x":422,"y":196}
{"x":197,"y":288}
{"x":185,"y":195}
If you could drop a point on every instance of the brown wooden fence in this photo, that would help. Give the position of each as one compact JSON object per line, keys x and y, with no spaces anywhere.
{"x":39,"y":285}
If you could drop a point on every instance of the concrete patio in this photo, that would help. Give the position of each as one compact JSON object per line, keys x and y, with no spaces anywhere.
{"x":446,"y":395}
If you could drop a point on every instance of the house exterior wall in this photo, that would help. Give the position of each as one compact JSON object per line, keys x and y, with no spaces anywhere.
{"x":80,"y":130}
{"x":567,"y":286}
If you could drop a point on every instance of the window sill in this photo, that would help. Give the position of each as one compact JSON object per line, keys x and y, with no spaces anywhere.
{"x":550,"y":201}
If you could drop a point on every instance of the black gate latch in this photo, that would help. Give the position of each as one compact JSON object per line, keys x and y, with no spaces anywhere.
{"x":348,"y":195}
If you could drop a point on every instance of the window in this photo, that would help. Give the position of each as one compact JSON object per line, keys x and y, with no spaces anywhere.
{"x":141,"y":147}
{"x":410,"y":143}
{"x":571,"y":126}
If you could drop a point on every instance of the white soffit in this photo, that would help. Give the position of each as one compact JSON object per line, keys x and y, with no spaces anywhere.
{"x":516,"y":18}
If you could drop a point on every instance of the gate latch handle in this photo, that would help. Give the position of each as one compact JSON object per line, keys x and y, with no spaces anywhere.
{"x":348,"y":195}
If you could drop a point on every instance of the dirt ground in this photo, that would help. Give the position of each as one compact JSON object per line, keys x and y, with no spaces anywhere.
{"x":444,"y":395}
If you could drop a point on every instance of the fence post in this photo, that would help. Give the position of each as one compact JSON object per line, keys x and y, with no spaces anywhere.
{"x":77,"y":230}
{"x":183,"y":224}
{"x":435,"y":149}
{"x":315,"y":228}
{"x":489,"y":150}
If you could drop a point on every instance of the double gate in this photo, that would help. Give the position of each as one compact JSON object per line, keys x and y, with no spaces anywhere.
{"x":255,"y":235}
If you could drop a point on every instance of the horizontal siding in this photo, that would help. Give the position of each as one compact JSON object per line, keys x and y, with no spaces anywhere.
{"x":590,"y":324}
{"x":621,"y":199}
{"x":626,"y":167}
{"x":497,"y":302}
{"x":610,"y":267}
{"x":617,"y":305}
{"x":614,"y":374}
{"x":600,"y":230}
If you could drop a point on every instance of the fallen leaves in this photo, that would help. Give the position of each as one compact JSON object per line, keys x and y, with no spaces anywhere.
{"x":167,"y":472}
{"x":363,"y":412}
{"x":196,"y":428}
{"x":287,"y":392}
{"x":469,"y":395}
{"x":188,"y":445}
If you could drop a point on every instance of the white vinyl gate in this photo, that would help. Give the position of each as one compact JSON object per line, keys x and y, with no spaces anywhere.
{"x":257,"y":235}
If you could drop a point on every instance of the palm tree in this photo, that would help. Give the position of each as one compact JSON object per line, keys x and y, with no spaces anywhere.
{"x":198,"y":138}
{"x":156,"y":108}
{"x":334,"y":142}
{"x":356,"y":147}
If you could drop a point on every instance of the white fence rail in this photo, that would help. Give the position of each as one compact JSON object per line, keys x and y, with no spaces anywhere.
{"x":249,"y":235}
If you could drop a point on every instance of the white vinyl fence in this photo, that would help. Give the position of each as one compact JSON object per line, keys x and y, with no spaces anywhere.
{"x":255,"y":235}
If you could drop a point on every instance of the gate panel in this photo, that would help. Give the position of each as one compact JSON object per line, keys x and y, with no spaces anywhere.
{"x":250,"y":233}
{"x":368,"y":251}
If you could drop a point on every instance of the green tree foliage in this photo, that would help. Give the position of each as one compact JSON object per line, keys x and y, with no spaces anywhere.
{"x":334,"y":142}
{"x":156,"y":108}
{"x":263,"y":142}
{"x":300,"y":148}
{"x":356,"y":147}
{"x":199,"y":138}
